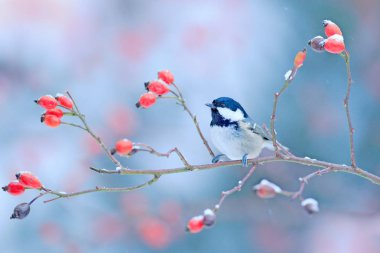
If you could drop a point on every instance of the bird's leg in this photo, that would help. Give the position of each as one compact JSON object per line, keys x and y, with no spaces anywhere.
{"x":217,"y":158}
{"x":244,"y":160}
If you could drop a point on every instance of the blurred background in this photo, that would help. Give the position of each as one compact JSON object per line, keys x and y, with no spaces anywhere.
{"x":103,"y":52}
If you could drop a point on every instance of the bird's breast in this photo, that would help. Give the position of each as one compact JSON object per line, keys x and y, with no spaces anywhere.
{"x":235,"y":143}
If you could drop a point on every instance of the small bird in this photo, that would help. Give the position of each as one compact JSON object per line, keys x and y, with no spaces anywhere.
{"x":234,"y":133}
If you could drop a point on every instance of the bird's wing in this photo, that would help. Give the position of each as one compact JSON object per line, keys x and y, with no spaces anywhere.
{"x":255,"y":128}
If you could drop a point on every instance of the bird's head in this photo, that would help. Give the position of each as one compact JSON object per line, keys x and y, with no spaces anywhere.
{"x":225,"y":111}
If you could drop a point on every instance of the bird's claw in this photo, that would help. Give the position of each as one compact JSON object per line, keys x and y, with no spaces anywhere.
{"x":216,"y":158}
{"x":244,"y":160}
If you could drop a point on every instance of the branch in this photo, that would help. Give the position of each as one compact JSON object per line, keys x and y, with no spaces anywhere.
{"x":99,"y":189}
{"x":288,"y":80}
{"x":143,"y":147}
{"x":182,"y":102}
{"x":303,"y":182}
{"x":88,"y":130}
{"x":259,"y":161}
{"x":346,"y":57}
{"x":237,"y":188}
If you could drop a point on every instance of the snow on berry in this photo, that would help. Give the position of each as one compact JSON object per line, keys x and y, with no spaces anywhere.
{"x":195,"y":224}
{"x":166,"y":76}
{"x":64,"y":101}
{"x":158,"y":87}
{"x":334,"y":44}
{"x":331,"y":28}
{"x":47,"y":102}
{"x":28,"y":180}
{"x":266,"y":189}
{"x":123,"y":147}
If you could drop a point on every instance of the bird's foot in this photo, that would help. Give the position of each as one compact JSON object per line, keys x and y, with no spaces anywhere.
{"x":244,"y":160}
{"x":216,"y":158}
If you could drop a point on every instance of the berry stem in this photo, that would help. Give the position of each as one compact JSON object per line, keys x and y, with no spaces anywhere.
{"x":88,"y":129}
{"x":100,"y":189}
{"x":237,"y":188}
{"x":144,"y":147}
{"x":182,"y":102}
{"x":346,"y":57}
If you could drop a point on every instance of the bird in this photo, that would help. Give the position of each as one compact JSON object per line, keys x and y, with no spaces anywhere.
{"x":234,"y":133}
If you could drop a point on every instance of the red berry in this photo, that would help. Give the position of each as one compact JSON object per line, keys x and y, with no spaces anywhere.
{"x":266,"y":189}
{"x":47,"y":102}
{"x":14,"y":188}
{"x":334,"y":44}
{"x":147,"y":100}
{"x":196,"y":224}
{"x":64,"y":101}
{"x":56,"y":112}
{"x":28,"y":180}
{"x":166,"y":76}
{"x":331,"y":28}
{"x":123,"y":147}
{"x":300,"y":58}
{"x":158,"y":87}
{"x":51,"y":120}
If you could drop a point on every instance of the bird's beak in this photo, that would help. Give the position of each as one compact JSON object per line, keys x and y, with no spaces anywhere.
{"x":211,"y":106}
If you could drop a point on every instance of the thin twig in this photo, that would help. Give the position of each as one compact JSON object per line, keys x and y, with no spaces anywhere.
{"x":237,"y":188}
{"x":144,"y":147}
{"x":303,"y":181}
{"x":99,"y":189}
{"x":182,"y":102}
{"x":88,"y":129}
{"x":275,"y":102}
{"x":346,"y":57}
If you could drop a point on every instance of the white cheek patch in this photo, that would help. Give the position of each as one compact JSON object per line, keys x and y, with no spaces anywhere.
{"x":231,"y":115}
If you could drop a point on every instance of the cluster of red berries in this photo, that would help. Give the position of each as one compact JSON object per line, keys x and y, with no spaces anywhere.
{"x":25,"y":180}
{"x":122,"y":147}
{"x":156,"y":88}
{"x":197,"y":223}
{"x":52,"y":116}
{"x":333,"y":44}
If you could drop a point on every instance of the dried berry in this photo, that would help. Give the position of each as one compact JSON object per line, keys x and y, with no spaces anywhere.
{"x":317,"y":44}
{"x":21,"y":211}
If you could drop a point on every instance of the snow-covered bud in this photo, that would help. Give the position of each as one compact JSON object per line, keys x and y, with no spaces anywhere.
{"x":310,"y":205}
{"x":266,"y":189}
